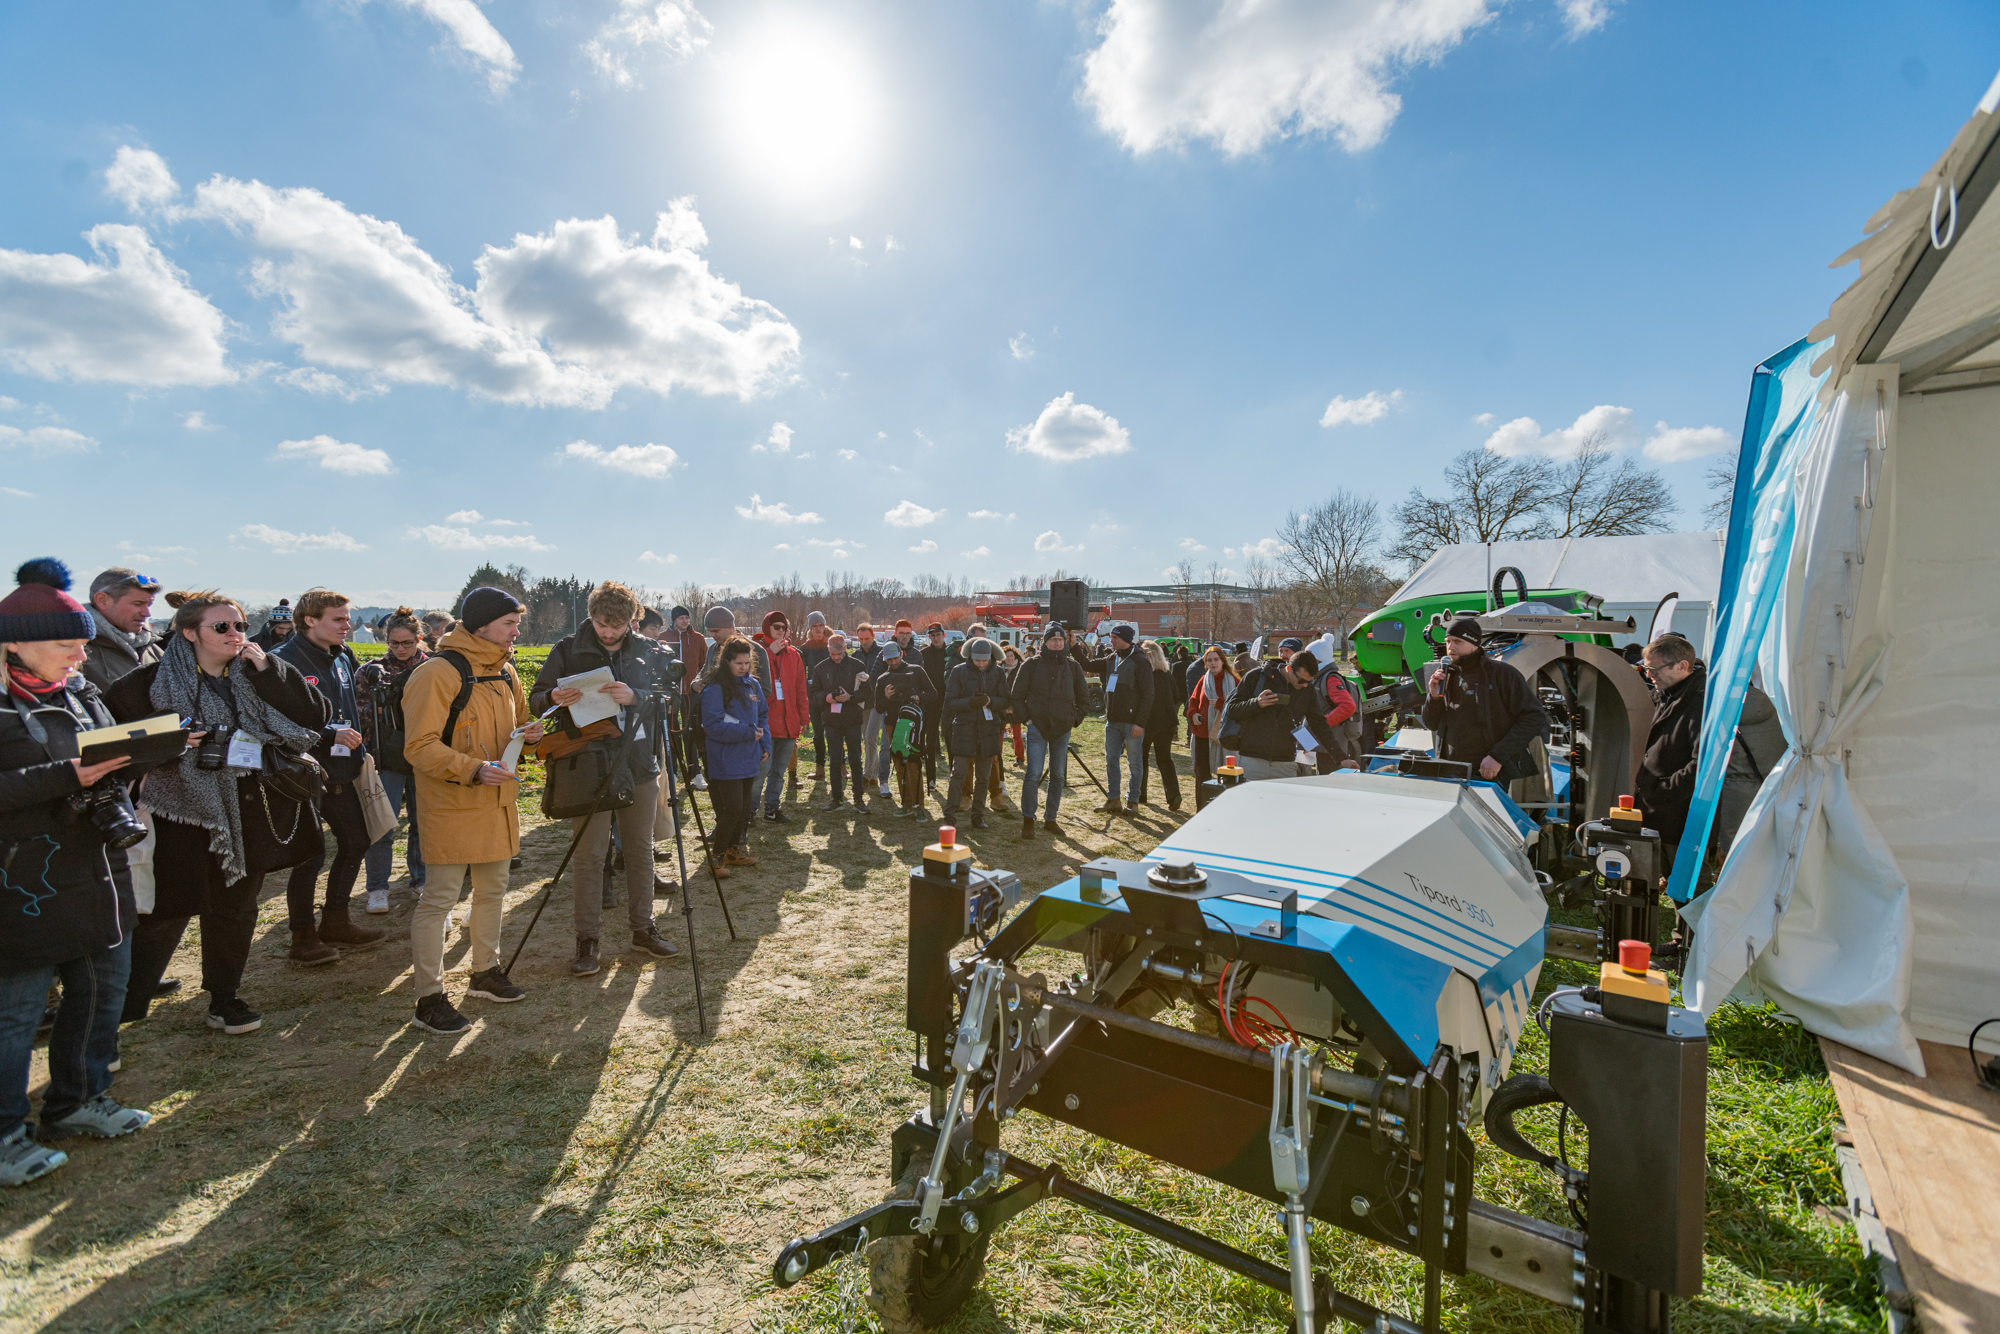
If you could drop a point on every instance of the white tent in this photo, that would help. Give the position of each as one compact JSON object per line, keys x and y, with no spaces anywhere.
{"x":1863,"y":890}
{"x":1631,"y":574}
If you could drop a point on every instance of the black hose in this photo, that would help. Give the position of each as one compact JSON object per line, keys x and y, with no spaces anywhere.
{"x":1518,"y":1094}
{"x":1520,"y":585}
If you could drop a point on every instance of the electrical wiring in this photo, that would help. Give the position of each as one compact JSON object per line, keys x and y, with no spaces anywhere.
{"x":1249,"y":1030}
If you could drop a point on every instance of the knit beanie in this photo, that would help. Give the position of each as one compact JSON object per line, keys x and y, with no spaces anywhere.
{"x":775,"y":617}
{"x":280,"y":614}
{"x":1466,"y":628}
{"x":814,"y":618}
{"x":485,"y":605}
{"x":1126,"y":633}
{"x":718,"y":617}
{"x":1055,"y":630}
{"x":677,"y":613}
{"x":41,"y":608}
{"x":978,"y":648}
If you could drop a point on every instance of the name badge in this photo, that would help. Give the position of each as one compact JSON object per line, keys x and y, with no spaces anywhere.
{"x":836,"y":706}
{"x":245,"y":753}
{"x":1303,"y":735}
{"x":1111,"y":683}
{"x":779,"y":687}
{"x":988,"y":713}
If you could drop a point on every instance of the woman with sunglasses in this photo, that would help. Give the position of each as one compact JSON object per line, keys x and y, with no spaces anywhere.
{"x":219,"y":828}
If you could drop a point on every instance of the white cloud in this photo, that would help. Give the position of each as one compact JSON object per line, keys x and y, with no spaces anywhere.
{"x":910,"y":514}
{"x":1189,"y":544}
{"x":1371,"y":407}
{"x":649,"y":558}
{"x":989,"y":514}
{"x":775,"y":513}
{"x":854,"y":243}
{"x":17,"y":492}
{"x":778,"y":442}
{"x":925,"y":547}
{"x":1612,"y":426}
{"x":464,"y":516}
{"x":890,"y":244}
{"x":978,"y":552}
{"x":133,"y":320}
{"x":280,"y":540}
{"x":339,"y":456}
{"x":1051,"y":543}
{"x":1269,"y":548}
{"x":46,"y":440}
{"x":197,"y":421}
{"x":1242,"y":75}
{"x":138,"y":177}
{"x":8,"y":404}
{"x":1068,"y":431}
{"x":832,"y":542}
{"x":846,"y":455}
{"x":1585,"y":16}
{"x":639,"y":460}
{"x":1022,"y":346}
{"x":675,"y":26}
{"x":316,"y":381}
{"x":1484,"y":419}
{"x":1677,"y":444}
{"x":474,"y":34}
{"x":568,"y":317}
{"x":446,"y":538}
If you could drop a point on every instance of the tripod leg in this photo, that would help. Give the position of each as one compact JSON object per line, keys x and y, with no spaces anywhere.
{"x":713,"y":853}
{"x":562,"y":866}
{"x":1077,"y":755}
{"x":687,"y":904}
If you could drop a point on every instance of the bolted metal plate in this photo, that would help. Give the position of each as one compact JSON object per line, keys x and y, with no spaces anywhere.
{"x":1538,"y":1258}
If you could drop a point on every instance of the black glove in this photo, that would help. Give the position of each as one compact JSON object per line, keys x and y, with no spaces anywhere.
{"x":979,"y":701}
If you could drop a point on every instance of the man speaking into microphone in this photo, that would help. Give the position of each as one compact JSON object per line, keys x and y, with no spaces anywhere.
{"x":1482,"y":712}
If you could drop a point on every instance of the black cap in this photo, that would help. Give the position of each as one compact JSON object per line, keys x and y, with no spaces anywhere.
{"x":1292,"y":643}
{"x":1466,"y":628}
{"x":485,"y":605}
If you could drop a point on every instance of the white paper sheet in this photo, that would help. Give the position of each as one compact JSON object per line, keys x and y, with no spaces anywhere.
{"x":593,"y":707}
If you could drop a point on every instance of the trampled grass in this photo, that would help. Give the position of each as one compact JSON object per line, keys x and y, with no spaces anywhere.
{"x":587,"y":1160}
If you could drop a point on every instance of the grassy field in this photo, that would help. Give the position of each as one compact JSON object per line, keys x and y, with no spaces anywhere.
{"x":588,"y":1161}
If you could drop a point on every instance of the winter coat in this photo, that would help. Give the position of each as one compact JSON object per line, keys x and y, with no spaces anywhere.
{"x":1489,"y":710}
{"x":1200,"y":705}
{"x":1760,"y":739}
{"x":731,"y":726}
{"x":63,"y":893}
{"x":333,"y":675}
{"x":460,"y":818}
{"x":1130,"y":700}
{"x":937,"y":665}
{"x":692,"y":649}
{"x":903,"y":685}
{"x":1665,"y":781}
{"x":814,"y":655}
{"x":112,"y":654}
{"x":1051,"y":692}
{"x":277,"y":833}
{"x":1267,"y":733}
{"x":971,"y":731}
{"x":870,"y":657}
{"x":1165,"y":720}
{"x":832,"y":677}
{"x":638,"y":662}
{"x":790,"y":701}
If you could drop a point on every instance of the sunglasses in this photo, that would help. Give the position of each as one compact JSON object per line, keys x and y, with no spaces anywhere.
{"x":224,"y":627}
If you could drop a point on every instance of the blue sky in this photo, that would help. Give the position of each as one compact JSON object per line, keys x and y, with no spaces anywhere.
{"x":362,"y":292}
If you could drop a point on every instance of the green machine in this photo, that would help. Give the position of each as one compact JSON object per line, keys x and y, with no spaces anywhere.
{"x":1391,"y":642}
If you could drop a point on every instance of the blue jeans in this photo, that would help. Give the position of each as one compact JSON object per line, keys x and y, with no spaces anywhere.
{"x":84,"y":1042}
{"x":776,"y":769}
{"x":1119,"y":743}
{"x":401,"y":790}
{"x":1055,"y":756}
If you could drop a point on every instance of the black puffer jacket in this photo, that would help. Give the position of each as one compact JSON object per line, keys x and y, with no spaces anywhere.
{"x":972,"y":731}
{"x":1051,"y":692}
{"x":1167,"y":706}
{"x":1488,"y":710}
{"x":638,"y":662}
{"x":830,"y":678}
{"x":1130,"y":700}
{"x":63,"y":893}
{"x":1267,"y":733}
{"x":1666,"y":773}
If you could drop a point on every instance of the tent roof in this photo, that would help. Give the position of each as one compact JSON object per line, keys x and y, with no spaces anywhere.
{"x":1637,"y":569}
{"x":1929,"y":291}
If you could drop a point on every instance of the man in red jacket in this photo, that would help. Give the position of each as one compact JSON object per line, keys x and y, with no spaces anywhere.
{"x":790,"y":710}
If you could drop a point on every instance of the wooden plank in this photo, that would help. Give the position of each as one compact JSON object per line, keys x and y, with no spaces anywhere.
{"x":1931,"y":1149}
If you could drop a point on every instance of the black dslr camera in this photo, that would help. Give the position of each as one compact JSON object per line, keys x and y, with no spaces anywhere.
{"x":109,"y":810}
{"x":213,"y":752}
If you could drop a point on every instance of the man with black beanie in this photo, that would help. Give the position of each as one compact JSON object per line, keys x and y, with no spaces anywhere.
{"x":1050,"y":690}
{"x":975,"y":692}
{"x":1482,"y":712}
{"x":1128,"y":707}
{"x":936,"y":656}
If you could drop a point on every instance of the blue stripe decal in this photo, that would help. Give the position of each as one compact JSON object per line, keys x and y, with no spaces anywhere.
{"x":1449,"y":947}
{"x":1512,"y":969}
{"x":1504,"y":945}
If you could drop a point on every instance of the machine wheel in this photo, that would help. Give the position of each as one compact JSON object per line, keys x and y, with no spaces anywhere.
{"x":909,"y":1288}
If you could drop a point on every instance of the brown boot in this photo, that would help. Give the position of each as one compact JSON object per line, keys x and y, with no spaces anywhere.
{"x":336,"y":928}
{"x":307,"y":948}
{"x":718,"y":867}
{"x":738,"y":857}
{"x":1111,"y":806}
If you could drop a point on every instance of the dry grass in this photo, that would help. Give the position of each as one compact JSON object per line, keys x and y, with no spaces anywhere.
{"x":586,"y":1161}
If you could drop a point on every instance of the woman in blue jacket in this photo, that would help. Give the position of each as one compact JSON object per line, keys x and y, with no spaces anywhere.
{"x":734,"y":716}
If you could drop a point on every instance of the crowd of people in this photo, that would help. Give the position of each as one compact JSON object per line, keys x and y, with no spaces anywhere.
{"x":290,"y":737}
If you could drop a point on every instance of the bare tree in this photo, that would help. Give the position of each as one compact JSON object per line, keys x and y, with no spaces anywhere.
{"x":1330,"y":553}
{"x":1489,"y":499}
{"x":1721,"y":478}
{"x":1184,"y":582}
{"x":1596,"y":493}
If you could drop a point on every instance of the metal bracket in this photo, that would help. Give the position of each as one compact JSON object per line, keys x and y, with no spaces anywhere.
{"x":968,"y":1053}
{"x":1293,"y":1072}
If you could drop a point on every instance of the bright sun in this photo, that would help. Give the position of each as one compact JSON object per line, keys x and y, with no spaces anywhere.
{"x":804,"y":111}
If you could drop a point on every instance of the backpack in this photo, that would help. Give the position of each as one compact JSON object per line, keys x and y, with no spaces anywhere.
{"x":908,"y":738}
{"x":1349,"y":728}
{"x":466,"y":680}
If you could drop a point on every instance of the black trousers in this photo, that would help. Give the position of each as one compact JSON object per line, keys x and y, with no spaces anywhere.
{"x":227,"y":929}
{"x":1201,"y":770}
{"x":341,"y":809}
{"x":931,"y":754}
{"x":819,"y":737}
{"x":1159,"y":754}
{"x":733,"y":799}
{"x":845,"y":745}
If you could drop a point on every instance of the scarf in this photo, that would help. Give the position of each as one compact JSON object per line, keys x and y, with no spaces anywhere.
{"x":207,"y":798}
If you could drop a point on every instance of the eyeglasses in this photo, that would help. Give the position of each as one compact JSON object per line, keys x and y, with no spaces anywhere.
{"x":224,"y":627}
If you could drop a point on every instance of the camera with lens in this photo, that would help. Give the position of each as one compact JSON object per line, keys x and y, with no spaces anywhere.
{"x":110,"y":813}
{"x":213,"y":752}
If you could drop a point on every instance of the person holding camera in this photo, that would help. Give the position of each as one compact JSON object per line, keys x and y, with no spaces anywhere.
{"x":638,"y":686}
{"x":67,"y":911}
{"x":974,"y":700}
{"x":737,"y":724}
{"x":904,"y":696}
{"x":1271,"y":704}
{"x":319,"y":650}
{"x":1051,"y":693}
{"x":840,"y":687}
{"x":220,"y":823}
{"x":1483,"y":713}
{"x":121,"y":607}
{"x":379,"y":694}
{"x":462,"y":708}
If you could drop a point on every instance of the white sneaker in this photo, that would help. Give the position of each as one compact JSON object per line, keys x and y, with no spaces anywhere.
{"x":104,"y":1118}
{"x":884,"y":790}
{"x":378,"y":900}
{"x":22,"y":1159}
{"x":700,"y":783}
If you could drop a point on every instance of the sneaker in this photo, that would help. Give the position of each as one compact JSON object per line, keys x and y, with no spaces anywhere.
{"x":918,"y":813}
{"x":650,"y":941}
{"x":979,"y":819}
{"x":101,"y":1116}
{"x":585,"y":962}
{"x":492,"y":984}
{"x":662,"y":885}
{"x":167,"y":987}
{"x":660,"y":855}
{"x":117,"y":1064}
{"x":513,"y":863}
{"x":233,"y":1016}
{"x":700,"y":783}
{"x":882,"y":790}
{"x":778,"y":817}
{"x":378,"y":900}
{"x":23,"y":1160}
{"x":833,"y":805}
{"x":440,"y":1015}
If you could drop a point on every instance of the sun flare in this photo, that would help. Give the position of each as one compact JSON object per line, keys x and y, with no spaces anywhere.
{"x":805,"y":111}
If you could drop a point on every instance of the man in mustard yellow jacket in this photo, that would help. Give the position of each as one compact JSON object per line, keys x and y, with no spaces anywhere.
{"x":465,"y":798}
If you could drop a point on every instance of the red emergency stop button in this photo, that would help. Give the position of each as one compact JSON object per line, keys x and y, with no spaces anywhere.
{"x":1624,"y":803}
{"x":1635,"y":956}
{"x":947,"y":835}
